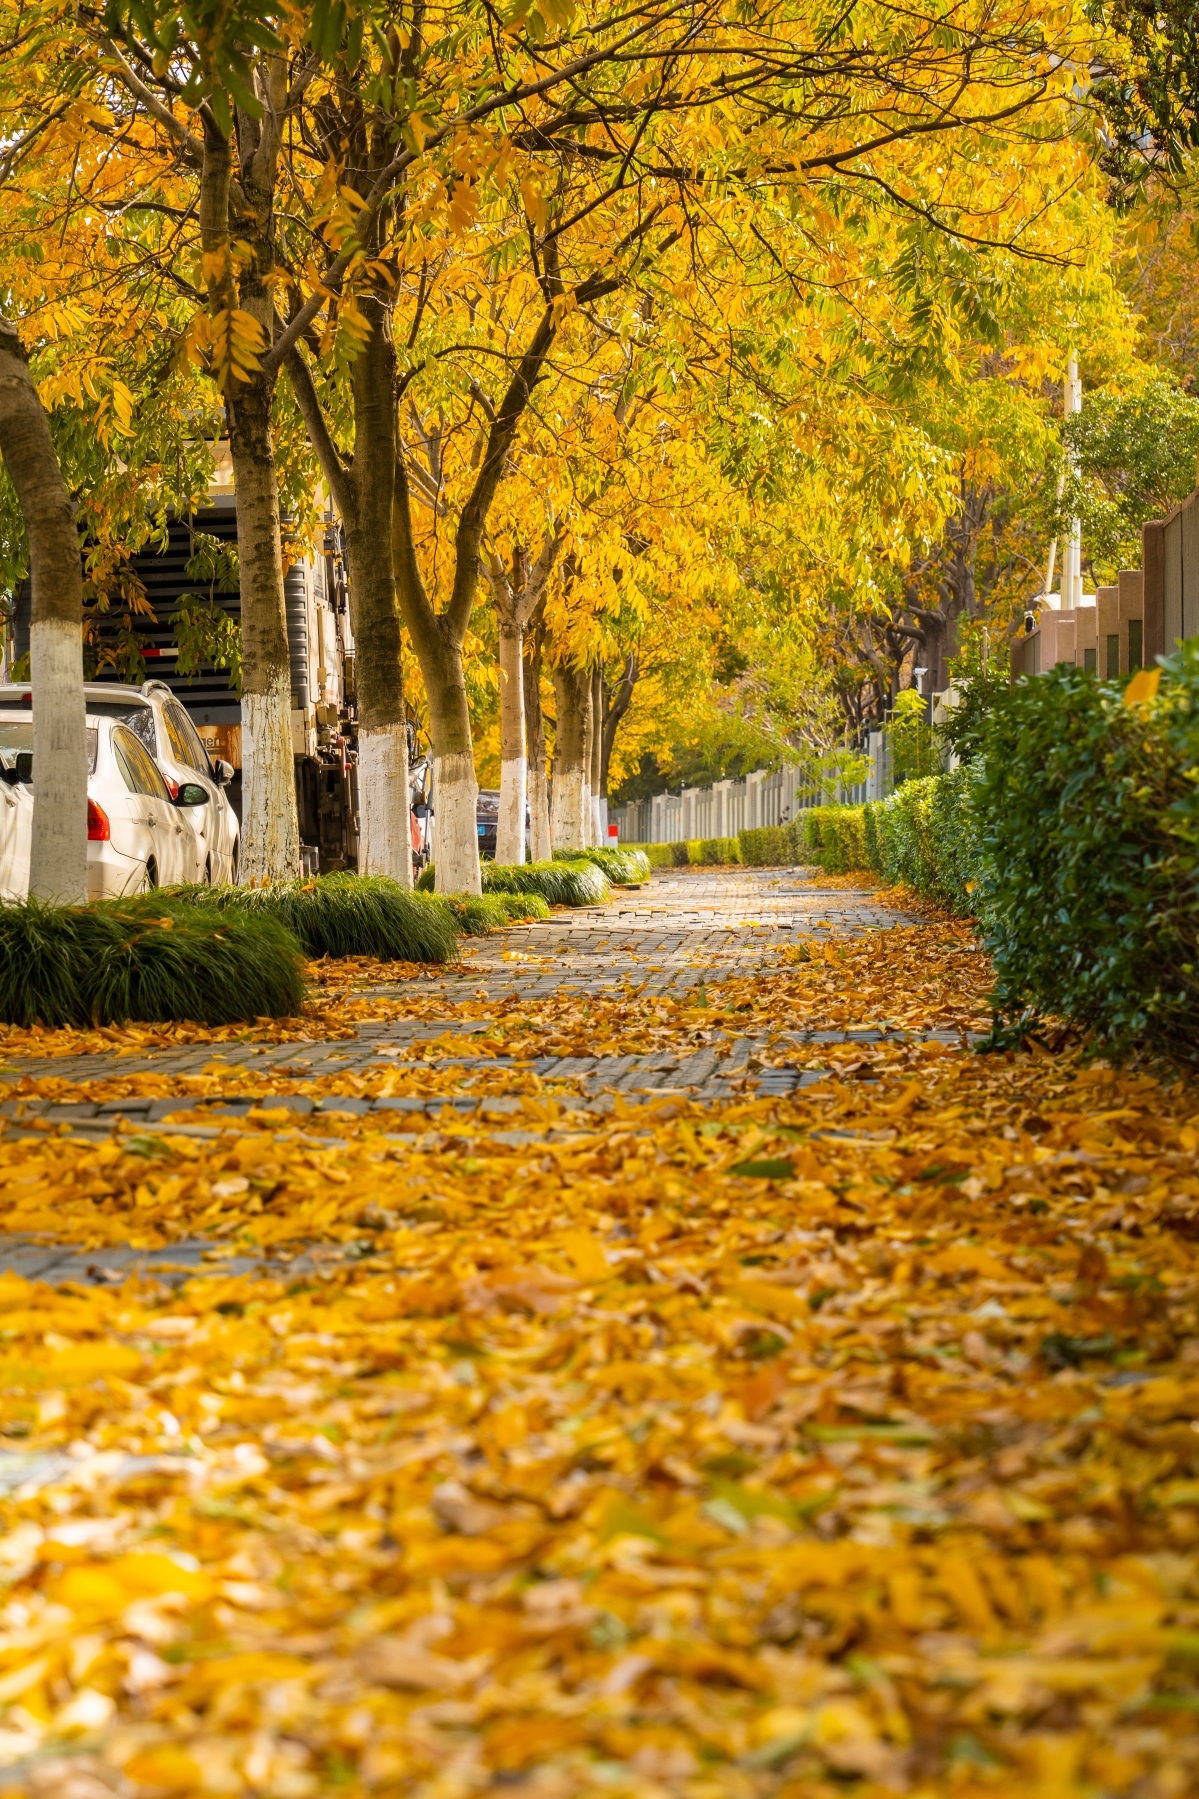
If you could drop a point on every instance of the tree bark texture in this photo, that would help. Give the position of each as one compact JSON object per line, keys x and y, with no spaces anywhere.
{"x":58,"y":857}
{"x":540,"y":840}
{"x":514,"y":765}
{"x":519,"y":596}
{"x":572,"y":759}
{"x":599,"y":803}
{"x":270,"y":837}
{"x":363,"y":491}
{"x":438,"y":645}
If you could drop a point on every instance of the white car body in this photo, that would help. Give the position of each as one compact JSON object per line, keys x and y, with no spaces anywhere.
{"x":176,"y":747}
{"x":137,"y":836}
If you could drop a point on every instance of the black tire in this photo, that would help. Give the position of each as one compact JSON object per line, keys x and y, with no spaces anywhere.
{"x":208,"y":872}
{"x":151,"y":875}
{"x":235,"y":863}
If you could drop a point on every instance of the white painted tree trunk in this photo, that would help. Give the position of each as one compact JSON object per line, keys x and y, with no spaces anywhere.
{"x":455,"y":811}
{"x":571,"y":806}
{"x":514,"y":766}
{"x":269,"y":832}
{"x":58,"y":849}
{"x":384,"y":839}
{"x":540,"y":840}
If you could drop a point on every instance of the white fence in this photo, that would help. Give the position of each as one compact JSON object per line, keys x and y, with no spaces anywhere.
{"x":765,"y":797}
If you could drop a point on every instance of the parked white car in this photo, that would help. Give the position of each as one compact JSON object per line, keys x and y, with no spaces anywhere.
{"x":139,"y":834}
{"x":168,"y":733}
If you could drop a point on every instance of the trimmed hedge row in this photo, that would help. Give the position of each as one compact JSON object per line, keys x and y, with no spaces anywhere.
{"x":922,"y":835}
{"x":696,"y":852}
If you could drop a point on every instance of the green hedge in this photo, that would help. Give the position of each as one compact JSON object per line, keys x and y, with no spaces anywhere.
{"x":1088,"y":814}
{"x":769,"y":846}
{"x":116,"y":962}
{"x":335,"y":915}
{"x":696,"y":852}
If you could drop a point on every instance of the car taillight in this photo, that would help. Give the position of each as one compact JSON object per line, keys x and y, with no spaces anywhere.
{"x":97,"y":823}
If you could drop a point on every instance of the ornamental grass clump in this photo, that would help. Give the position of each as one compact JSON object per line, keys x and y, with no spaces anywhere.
{"x":629,"y":865}
{"x":339,"y":914}
{"x":119,"y":962}
{"x":557,"y":883}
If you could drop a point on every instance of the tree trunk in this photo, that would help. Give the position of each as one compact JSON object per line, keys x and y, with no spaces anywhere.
{"x":58,"y":860}
{"x":270,"y":835}
{"x":572,"y":759}
{"x":385,"y":843}
{"x":514,"y":767}
{"x":613,"y":714}
{"x":455,"y":788}
{"x":539,"y":799}
{"x":599,"y":802}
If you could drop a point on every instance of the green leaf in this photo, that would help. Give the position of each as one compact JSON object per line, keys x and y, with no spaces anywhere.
{"x":769,"y":1170}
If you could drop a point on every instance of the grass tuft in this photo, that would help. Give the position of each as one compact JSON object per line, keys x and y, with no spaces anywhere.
{"x":337,"y":915}
{"x":106,"y":964}
{"x":558,"y":883}
{"x":631,"y":865}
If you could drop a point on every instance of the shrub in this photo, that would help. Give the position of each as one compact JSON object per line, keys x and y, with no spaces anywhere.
{"x":1087,"y":824}
{"x":767,"y":847}
{"x":658,"y":855}
{"x":629,"y":863}
{"x":708,"y":852}
{"x":105,"y":964}
{"x":833,"y":837}
{"x":336,"y":915}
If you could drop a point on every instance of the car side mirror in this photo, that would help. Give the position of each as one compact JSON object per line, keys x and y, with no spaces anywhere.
{"x":191,"y":794}
{"x":222,"y":773}
{"x":24,"y":768}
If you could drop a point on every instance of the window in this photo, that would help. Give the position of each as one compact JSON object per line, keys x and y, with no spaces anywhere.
{"x":1136,"y":644}
{"x":1113,"y":658}
{"x":185,"y":743}
{"x":139,"y":772}
{"x":1089,"y":659}
{"x":16,"y":739}
{"x":140,"y":720}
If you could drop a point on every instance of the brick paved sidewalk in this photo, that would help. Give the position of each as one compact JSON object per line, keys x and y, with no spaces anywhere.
{"x":676,"y":930}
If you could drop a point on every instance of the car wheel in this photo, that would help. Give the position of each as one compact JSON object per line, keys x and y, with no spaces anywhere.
{"x":208,"y":872}
{"x":151,"y":875}
{"x":235,"y":863}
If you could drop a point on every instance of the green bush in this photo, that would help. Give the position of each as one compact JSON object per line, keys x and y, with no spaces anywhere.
{"x":1089,"y":830}
{"x":769,"y":846}
{"x":707,"y":852}
{"x":336,"y":915}
{"x":625,"y":864}
{"x":833,"y":837}
{"x":658,"y":855}
{"x":105,"y":964}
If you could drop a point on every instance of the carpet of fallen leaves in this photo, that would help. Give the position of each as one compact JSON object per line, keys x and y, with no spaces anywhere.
{"x":847,"y":1444}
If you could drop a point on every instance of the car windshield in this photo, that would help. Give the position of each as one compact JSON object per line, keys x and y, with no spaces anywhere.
{"x":16,"y":736}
